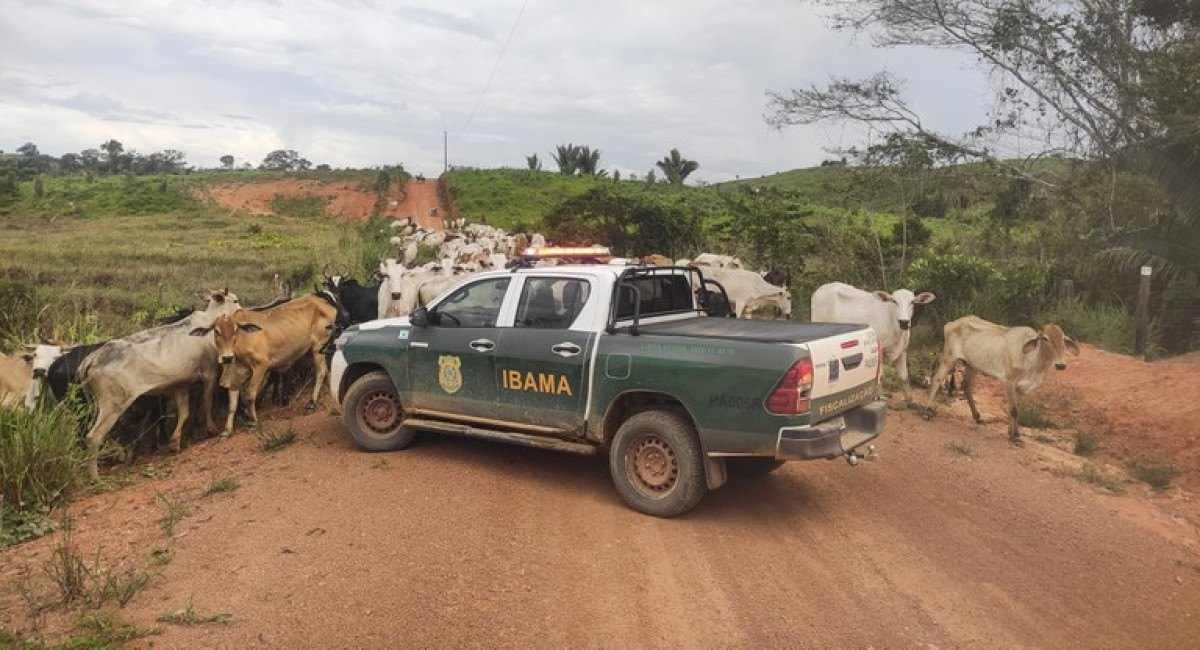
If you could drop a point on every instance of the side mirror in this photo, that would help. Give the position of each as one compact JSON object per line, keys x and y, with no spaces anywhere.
{"x":419,"y":317}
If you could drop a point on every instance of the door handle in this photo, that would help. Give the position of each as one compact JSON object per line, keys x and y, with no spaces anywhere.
{"x":482,"y":345}
{"x":566,"y":349}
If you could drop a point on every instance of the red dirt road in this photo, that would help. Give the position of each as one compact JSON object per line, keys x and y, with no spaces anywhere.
{"x":344,"y":200}
{"x":459,"y":542}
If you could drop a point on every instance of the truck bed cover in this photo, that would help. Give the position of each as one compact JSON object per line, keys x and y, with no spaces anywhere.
{"x":765,"y":331}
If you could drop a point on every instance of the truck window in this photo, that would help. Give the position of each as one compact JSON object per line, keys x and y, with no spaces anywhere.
{"x":551,"y":303}
{"x":660,"y":294}
{"x":475,"y":305}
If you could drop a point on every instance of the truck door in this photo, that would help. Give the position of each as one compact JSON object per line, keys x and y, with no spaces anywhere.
{"x":451,"y":361}
{"x":542,"y":362}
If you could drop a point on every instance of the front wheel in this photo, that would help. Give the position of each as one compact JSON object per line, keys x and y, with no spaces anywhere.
{"x":657,"y":465}
{"x":373,"y":415}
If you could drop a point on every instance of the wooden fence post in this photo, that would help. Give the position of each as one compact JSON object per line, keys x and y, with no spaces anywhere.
{"x":1142,"y":315}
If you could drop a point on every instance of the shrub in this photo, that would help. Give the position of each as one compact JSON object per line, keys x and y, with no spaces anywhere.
{"x":1086,"y":444}
{"x":1105,"y":326}
{"x":40,"y":461}
{"x":1156,"y":476}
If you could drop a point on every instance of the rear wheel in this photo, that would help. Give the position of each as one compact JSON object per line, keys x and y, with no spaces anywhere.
{"x":657,"y":465}
{"x":753,"y":466}
{"x":373,"y":414}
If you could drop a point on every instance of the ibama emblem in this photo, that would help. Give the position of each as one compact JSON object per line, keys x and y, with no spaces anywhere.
{"x":450,"y":373}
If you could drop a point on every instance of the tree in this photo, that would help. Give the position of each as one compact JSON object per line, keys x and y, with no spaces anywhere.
{"x":631,"y":225}
{"x":588,"y":161}
{"x":29,"y":150}
{"x":284,"y":160}
{"x":533,"y":163}
{"x":227,"y":161}
{"x":616,"y":175}
{"x":676,"y":168}
{"x":90,"y":159}
{"x":566,"y":156}
{"x":650,"y":177}
{"x":1109,"y":82}
{"x":113,"y":156}
{"x":70,"y":162}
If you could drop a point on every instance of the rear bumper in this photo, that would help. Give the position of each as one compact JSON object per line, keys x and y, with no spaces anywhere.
{"x":832,"y":438}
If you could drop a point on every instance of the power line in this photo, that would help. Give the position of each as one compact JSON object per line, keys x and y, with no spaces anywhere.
{"x":496,"y":65}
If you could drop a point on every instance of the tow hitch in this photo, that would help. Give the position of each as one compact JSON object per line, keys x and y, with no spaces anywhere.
{"x":852,"y":457}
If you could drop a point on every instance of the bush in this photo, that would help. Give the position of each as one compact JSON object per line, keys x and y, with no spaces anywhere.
{"x":631,"y":224}
{"x":1104,"y":326}
{"x":1156,"y":476}
{"x":41,"y":462}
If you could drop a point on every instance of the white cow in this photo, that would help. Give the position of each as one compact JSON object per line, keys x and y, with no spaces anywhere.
{"x":890,"y":314}
{"x":718,"y":261}
{"x":42,"y":357}
{"x":751,"y":296}
{"x":167,"y":358}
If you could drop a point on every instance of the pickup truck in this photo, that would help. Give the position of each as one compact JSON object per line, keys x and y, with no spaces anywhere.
{"x":617,"y":360}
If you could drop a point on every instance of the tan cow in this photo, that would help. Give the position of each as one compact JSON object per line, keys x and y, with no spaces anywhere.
{"x":16,"y":375}
{"x":271,"y":340}
{"x":1018,"y":356}
{"x":655,"y":259}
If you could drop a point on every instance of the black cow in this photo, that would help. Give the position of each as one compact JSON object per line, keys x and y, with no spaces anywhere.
{"x":361,"y":302}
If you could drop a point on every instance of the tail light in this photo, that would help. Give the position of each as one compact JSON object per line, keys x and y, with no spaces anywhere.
{"x":790,"y":396}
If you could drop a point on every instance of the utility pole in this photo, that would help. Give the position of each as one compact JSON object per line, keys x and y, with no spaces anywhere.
{"x":445,"y":155}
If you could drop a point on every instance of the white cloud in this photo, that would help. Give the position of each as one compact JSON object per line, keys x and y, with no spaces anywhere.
{"x":371,"y":83}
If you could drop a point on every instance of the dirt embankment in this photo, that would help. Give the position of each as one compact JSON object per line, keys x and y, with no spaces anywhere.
{"x":461,"y":542}
{"x":1139,"y":412}
{"x":345,"y":200}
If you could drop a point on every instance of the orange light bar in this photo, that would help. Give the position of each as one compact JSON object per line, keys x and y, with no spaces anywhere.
{"x":556,"y":251}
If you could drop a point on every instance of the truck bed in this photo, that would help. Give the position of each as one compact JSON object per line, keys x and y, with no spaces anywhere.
{"x":764,"y":331}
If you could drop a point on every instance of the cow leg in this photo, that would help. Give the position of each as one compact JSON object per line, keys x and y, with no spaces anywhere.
{"x":902,"y":370}
{"x":319,"y":370}
{"x":229,"y":419}
{"x":182,"y":410}
{"x":1014,"y":430}
{"x":106,"y":418}
{"x":968,"y":388}
{"x":945,"y":367}
{"x":257,"y":377}
{"x":210,"y":388}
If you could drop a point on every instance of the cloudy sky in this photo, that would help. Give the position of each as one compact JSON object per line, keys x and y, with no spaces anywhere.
{"x":362,"y":83}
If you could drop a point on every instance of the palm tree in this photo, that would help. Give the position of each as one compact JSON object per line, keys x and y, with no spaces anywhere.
{"x":589,"y":161}
{"x":533,"y":163}
{"x":566,"y":156}
{"x":677,"y":168}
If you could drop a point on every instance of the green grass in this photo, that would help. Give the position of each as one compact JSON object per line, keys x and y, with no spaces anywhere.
{"x":270,"y":441}
{"x":130,"y":266}
{"x":1093,"y":475}
{"x":1086,"y":444}
{"x":219,"y":486}
{"x":94,"y":631}
{"x":41,"y":462}
{"x":1155,"y":475}
{"x":1032,"y":414}
{"x":174,"y":510}
{"x":189,"y":617}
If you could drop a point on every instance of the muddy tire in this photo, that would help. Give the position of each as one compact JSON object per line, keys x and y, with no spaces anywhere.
{"x":751,"y":467}
{"x":372,"y":414}
{"x":657,"y":465}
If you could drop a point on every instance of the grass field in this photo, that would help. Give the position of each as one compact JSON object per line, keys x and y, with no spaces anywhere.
{"x":127,"y":251}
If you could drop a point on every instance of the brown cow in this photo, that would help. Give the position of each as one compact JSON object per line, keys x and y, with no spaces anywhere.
{"x":271,"y":340}
{"x":1018,"y":356}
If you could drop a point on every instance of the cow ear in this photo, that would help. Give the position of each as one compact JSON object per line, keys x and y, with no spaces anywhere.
{"x":1072,"y":346}
{"x":200,"y":331}
{"x":1031,"y":344}
{"x":28,"y":357}
{"x":883,"y":296}
{"x":924,"y":298}
{"x":249,"y":327}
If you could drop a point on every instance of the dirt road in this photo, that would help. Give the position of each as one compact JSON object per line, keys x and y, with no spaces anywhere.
{"x":421,"y":200}
{"x":460,"y":542}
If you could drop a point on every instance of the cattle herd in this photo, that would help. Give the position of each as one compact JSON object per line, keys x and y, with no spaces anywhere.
{"x":234,"y":347}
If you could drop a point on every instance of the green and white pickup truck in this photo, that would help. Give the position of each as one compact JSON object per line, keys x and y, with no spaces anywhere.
{"x":619,"y":360}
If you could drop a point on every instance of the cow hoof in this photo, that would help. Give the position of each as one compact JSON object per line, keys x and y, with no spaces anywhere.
{"x":311,"y":407}
{"x":226,"y":434}
{"x":1016,"y":442}
{"x":174,"y":447}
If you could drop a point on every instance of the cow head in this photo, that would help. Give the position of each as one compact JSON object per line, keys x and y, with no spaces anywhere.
{"x":1052,"y":343}
{"x":905,"y":303}
{"x":391,"y":277}
{"x":225,"y":332}
{"x":221,"y":301}
{"x":40,"y":357}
